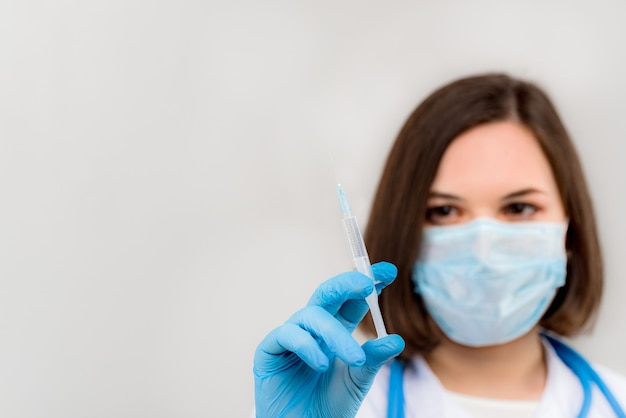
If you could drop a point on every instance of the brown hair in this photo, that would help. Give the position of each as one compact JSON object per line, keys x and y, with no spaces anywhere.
{"x":399,"y":207}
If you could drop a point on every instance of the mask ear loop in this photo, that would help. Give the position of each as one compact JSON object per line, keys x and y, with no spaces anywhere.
{"x":561,"y":292}
{"x":568,"y":252}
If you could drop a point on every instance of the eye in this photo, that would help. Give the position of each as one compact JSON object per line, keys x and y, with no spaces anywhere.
{"x":441,"y":214}
{"x":520,"y":209}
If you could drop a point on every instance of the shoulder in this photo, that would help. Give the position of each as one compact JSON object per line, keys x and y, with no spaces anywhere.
{"x":613,"y":379}
{"x":607,"y":384}
{"x":616,"y":385}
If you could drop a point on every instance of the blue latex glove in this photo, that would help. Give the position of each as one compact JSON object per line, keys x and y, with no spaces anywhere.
{"x":311,"y":366}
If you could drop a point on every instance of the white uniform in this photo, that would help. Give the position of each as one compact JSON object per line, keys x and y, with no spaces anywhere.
{"x":425,"y":397}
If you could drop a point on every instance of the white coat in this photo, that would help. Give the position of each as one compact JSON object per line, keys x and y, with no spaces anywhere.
{"x":425,"y":397}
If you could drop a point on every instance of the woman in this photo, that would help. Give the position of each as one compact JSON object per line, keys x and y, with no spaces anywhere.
{"x":484,"y":210}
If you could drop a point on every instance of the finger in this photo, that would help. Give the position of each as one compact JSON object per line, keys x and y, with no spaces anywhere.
{"x":284,"y":339}
{"x":333,"y":293}
{"x":384,"y":274}
{"x":377,"y":352}
{"x":352,"y":312}
{"x":327,"y":329}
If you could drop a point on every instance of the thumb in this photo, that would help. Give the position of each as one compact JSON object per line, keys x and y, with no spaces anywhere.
{"x":377,"y":353}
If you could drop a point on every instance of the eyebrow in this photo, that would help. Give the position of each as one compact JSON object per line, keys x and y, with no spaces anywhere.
{"x":519,"y":193}
{"x":434,"y":193}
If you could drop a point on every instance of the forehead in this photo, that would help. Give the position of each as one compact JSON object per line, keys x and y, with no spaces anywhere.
{"x":500,"y":156}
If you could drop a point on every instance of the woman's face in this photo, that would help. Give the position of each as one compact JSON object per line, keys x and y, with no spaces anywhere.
{"x":495,"y":170}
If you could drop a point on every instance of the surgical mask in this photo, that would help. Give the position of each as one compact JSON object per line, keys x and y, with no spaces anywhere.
{"x":488,"y":282}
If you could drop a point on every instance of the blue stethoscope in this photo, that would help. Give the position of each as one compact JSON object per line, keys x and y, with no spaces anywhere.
{"x":577,"y":364}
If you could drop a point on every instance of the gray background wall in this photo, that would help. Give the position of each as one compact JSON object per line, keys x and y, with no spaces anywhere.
{"x":167,"y":195}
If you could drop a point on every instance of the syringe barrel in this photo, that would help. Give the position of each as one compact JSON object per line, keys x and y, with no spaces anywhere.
{"x":362,"y":264}
{"x":357,"y":246}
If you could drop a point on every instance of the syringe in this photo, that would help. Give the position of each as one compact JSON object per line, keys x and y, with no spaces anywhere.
{"x":361,"y":259}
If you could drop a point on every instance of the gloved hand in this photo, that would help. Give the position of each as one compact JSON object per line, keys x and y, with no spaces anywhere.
{"x":311,"y":366}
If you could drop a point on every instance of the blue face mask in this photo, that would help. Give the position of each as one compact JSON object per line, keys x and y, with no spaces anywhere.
{"x":488,"y":282}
